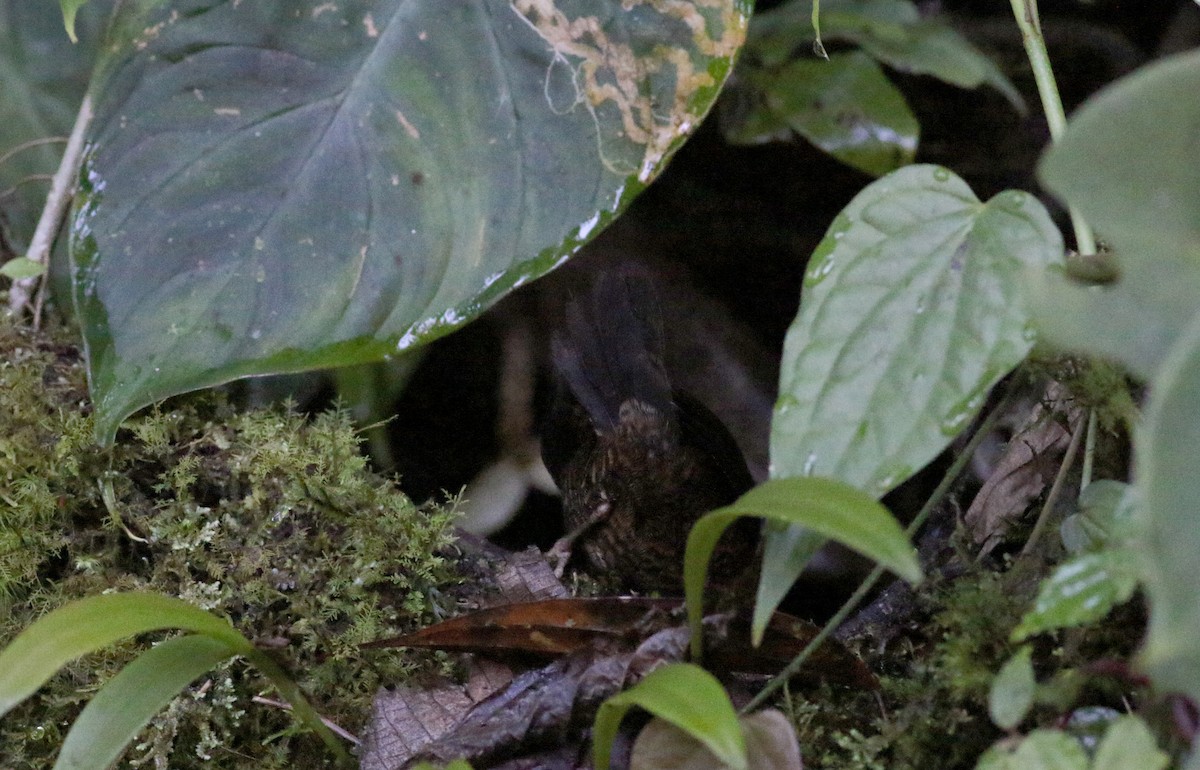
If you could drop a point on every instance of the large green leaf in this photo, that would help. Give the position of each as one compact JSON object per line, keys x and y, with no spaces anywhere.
{"x":1144,"y":198}
{"x":42,"y":78}
{"x":1168,"y":490}
{"x":129,"y":700}
{"x":279,"y":185}
{"x":912,"y":308}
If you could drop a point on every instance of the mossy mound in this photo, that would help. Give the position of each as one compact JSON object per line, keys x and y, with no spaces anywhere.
{"x":268,"y":518}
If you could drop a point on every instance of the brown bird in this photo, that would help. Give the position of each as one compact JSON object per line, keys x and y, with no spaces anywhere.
{"x":637,"y":462}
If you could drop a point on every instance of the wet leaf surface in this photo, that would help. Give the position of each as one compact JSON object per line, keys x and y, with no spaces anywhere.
{"x":275,"y":186}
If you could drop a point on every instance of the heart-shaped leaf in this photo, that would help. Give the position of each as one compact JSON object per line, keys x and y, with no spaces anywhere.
{"x":912,"y":309}
{"x":280,"y":185}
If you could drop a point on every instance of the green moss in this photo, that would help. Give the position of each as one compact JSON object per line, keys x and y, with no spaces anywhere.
{"x":267,"y":518}
{"x":932,"y":707}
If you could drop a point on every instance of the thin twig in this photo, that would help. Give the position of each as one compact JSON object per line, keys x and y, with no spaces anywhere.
{"x":30,"y":145}
{"x":1055,"y":490}
{"x":1089,"y":449}
{"x":337,"y":729}
{"x":10,"y":192}
{"x":943,"y":488}
{"x":61,"y":191}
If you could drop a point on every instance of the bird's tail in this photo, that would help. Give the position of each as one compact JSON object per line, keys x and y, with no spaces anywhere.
{"x":611,"y":349}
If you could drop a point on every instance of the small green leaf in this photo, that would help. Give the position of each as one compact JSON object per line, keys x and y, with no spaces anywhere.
{"x":69,"y":9}
{"x":847,"y":107}
{"x":828,"y":507}
{"x":1080,"y":591}
{"x":1148,"y":204}
{"x":1040,"y":750}
{"x":926,"y":47}
{"x":1012,"y":690}
{"x":1168,"y":487}
{"x":1105,"y":518}
{"x":91,"y":624}
{"x":892,"y":31}
{"x":770,"y":745}
{"x":1128,"y":743}
{"x":127,"y":702}
{"x":22,"y":267}
{"x":688,"y":697}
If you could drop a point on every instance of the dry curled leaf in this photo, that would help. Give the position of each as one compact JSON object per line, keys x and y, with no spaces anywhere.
{"x":1026,"y":469}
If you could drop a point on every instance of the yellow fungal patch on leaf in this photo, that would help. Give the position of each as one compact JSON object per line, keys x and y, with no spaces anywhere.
{"x":638,"y":71}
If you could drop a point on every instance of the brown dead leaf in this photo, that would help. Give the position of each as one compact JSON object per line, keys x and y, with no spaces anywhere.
{"x":549,"y":627}
{"x":1025,"y":470}
{"x":770,"y":745}
{"x":549,"y":707}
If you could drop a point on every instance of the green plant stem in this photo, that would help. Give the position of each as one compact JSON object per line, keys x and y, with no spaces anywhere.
{"x":300,"y":705}
{"x":61,"y":191}
{"x":1026,"y":13}
{"x":1055,"y":490}
{"x":1089,"y":449}
{"x":935,"y":499}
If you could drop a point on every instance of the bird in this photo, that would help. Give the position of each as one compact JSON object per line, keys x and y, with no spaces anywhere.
{"x":636,"y":460}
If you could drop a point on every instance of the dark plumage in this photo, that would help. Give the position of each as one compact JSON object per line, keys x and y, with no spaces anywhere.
{"x":637,"y":462}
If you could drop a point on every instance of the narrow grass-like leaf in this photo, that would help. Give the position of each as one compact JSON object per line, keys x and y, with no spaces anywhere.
{"x":129,"y":700}
{"x":688,"y":697}
{"x":825,"y":506}
{"x":91,"y":624}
